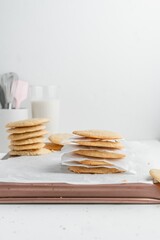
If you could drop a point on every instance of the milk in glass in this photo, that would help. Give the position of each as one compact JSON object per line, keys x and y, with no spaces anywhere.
{"x":45,"y":104}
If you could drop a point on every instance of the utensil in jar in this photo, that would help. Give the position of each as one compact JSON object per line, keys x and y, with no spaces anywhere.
{"x":19,"y":92}
{"x":2,"y":97}
{"x":6,"y":83}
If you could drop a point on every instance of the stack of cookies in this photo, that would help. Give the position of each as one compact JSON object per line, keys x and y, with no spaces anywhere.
{"x":27,"y":137}
{"x":98,"y":149}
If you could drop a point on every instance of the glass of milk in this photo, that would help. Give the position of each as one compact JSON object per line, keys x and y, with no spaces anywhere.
{"x":45,"y":104}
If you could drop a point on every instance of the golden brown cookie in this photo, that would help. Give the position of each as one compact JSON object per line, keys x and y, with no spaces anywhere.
{"x":155,"y":174}
{"x":94,"y":162}
{"x":35,"y":152}
{"x":100,"y":134}
{"x":53,"y":147}
{"x":60,"y":138}
{"x":27,"y":141}
{"x":99,"y":154}
{"x":27,"y":135}
{"x":19,"y":130}
{"x":27,"y":147}
{"x":103,"y":144}
{"x":27,"y":122}
{"x":100,"y":170}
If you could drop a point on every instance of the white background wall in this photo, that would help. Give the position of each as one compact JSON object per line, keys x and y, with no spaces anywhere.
{"x":103,"y":54}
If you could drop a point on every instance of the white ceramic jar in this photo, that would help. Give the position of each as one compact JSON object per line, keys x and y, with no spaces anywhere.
{"x":6,"y":116}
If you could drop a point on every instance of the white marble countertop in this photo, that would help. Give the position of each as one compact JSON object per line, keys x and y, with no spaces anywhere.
{"x":79,"y":221}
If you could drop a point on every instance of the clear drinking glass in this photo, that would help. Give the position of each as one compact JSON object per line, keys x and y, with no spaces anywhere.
{"x":45,"y":104}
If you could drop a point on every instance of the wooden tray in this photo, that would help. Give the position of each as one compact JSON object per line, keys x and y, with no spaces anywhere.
{"x":69,"y":193}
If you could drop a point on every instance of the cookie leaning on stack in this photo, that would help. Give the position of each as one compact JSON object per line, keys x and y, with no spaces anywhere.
{"x":98,"y":145}
{"x":57,"y":141}
{"x":27,"y":137}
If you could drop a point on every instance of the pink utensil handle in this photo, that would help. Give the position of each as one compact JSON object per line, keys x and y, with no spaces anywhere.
{"x":21,"y":92}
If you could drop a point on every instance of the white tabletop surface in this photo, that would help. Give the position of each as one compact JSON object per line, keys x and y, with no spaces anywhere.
{"x":79,"y":221}
{"x":85,"y":222}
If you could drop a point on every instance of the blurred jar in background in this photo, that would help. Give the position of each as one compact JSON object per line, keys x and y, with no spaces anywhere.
{"x":45,"y":104}
{"x":7,"y":116}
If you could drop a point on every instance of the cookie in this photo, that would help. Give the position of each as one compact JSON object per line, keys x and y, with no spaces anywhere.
{"x":155,"y":174}
{"x":100,"y":134}
{"x":60,"y":138}
{"x":18,"y":130}
{"x":100,"y":170}
{"x":99,"y":154}
{"x":27,"y":135}
{"x":53,"y":147}
{"x":30,"y":152}
{"x":106,"y":144}
{"x":27,"y":141}
{"x":27,"y":122}
{"x":27,"y":147}
{"x":94,"y":162}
